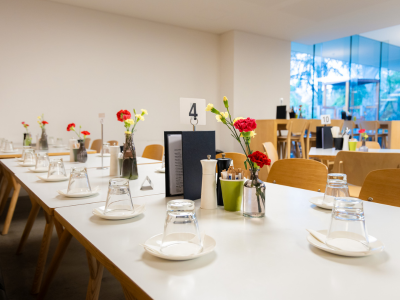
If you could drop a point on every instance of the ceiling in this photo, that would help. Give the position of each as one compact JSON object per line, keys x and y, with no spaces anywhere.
{"x":303,"y":21}
{"x":390,"y":35}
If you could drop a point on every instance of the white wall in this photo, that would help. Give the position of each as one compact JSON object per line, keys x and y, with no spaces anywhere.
{"x":72,"y":63}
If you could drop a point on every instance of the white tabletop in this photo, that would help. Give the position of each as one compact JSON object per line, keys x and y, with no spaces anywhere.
{"x":334,"y":152}
{"x":267,"y":258}
{"x":47,"y":191}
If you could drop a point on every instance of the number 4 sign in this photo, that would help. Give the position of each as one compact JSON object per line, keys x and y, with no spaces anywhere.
{"x":325,"y":119}
{"x":193,"y":111}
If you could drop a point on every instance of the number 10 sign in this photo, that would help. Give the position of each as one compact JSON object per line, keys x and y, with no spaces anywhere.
{"x":193,"y":111}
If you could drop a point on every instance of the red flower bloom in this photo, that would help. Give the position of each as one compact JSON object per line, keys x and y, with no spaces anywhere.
{"x":45,"y":122}
{"x":85,"y":132}
{"x":27,"y":125}
{"x":245,"y":125}
{"x":123,"y":115}
{"x":23,"y":123}
{"x":260,"y":159}
{"x":361,"y":131}
{"x":70,"y":125}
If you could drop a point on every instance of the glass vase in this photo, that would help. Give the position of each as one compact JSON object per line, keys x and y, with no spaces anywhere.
{"x":43,"y":145}
{"x":254,"y":196}
{"x":363,"y":148}
{"x":27,"y":139}
{"x":129,"y":168}
{"x":81,"y":155}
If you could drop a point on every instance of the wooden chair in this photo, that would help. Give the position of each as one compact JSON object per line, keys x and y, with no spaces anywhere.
{"x":154,"y":152}
{"x":374,"y":127}
{"x":299,"y":173}
{"x":337,"y":122}
{"x":351,"y":125}
{"x":370,"y":145}
{"x":296,"y":129}
{"x":96,"y":145}
{"x":87,"y":143}
{"x":238,"y":161}
{"x":272,"y":154}
{"x":311,"y":134}
{"x":382,"y":186}
{"x":113,"y":143}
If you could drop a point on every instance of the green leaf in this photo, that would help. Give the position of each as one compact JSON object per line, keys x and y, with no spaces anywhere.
{"x":245,"y":164}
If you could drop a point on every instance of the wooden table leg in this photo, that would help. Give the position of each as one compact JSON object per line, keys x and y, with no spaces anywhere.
{"x":55,"y":263}
{"x":44,"y":250}
{"x":96,"y":274}
{"x":29,"y":223}
{"x":4,"y":192}
{"x":59,"y":228}
{"x":13,"y":203}
{"x":128,"y":294}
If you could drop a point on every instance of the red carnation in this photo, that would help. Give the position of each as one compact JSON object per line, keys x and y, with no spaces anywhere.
{"x":260,"y":159}
{"x":123,"y":115}
{"x":26,"y":125}
{"x":85,"y":133}
{"x":245,"y":125}
{"x":72,"y":125}
{"x":45,"y":122}
{"x":23,"y":123}
{"x":361,"y":131}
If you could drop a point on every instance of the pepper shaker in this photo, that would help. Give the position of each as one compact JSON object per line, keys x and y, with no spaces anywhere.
{"x":208,"y":184}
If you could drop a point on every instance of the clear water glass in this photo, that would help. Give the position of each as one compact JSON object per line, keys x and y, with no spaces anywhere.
{"x":336,"y":186}
{"x":181,"y":230}
{"x":56,"y":168}
{"x":9,"y":147}
{"x":119,"y":197}
{"x":2,"y":144}
{"x":106,"y":149}
{"x":79,"y":181}
{"x":24,"y":148}
{"x":42,"y":161}
{"x":59,"y":142}
{"x":347,"y":230}
{"x":51,"y":140}
{"x":29,"y":157}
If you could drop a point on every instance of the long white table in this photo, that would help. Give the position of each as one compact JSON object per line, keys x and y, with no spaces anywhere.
{"x":267,"y":258}
{"x":330,"y":154}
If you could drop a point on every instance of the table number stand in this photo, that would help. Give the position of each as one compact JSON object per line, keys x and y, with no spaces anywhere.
{"x":102,"y":116}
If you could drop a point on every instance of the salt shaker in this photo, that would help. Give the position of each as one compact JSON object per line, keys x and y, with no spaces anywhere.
{"x":208,"y":184}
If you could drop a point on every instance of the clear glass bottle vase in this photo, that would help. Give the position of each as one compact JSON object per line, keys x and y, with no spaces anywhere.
{"x":363,"y":147}
{"x":43,"y":145}
{"x":81,"y":155}
{"x":129,"y":168}
{"x":254,"y":196}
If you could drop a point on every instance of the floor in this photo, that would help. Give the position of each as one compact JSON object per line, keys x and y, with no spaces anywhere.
{"x":72,"y":277}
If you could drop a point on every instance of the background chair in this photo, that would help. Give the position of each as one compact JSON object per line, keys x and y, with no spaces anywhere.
{"x":272,"y":154}
{"x":87,"y":143}
{"x":238,"y":160}
{"x":370,"y":145}
{"x":299,"y":173}
{"x":155,"y":152}
{"x":374,"y":127}
{"x":311,"y":135}
{"x":382,"y":186}
{"x":296,"y":130}
{"x":96,"y":145}
{"x":113,"y":143}
{"x":351,"y":125}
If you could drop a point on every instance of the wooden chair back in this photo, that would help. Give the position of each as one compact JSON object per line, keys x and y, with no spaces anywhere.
{"x":297,"y":126}
{"x":349,"y":124}
{"x":154,"y":152}
{"x":96,"y":145}
{"x":370,"y":145}
{"x":313,"y":125}
{"x":113,"y":143}
{"x":299,"y":173}
{"x":238,"y":161}
{"x":357,"y":165}
{"x":382,"y":186}
{"x":337,"y":122}
{"x":369,"y":125}
{"x":87,"y":143}
{"x":270,"y":151}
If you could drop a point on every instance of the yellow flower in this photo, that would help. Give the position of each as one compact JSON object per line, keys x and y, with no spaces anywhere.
{"x":218,"y":117}
{"x":130,"y":121}
{"x":127,"y":132}
{"x":140,"y":117}
{"x":39,"y":122}
{"x":253,"y":133}
{"x":240,"y":118}
{"x":225,"y":98}
{"x":39,"y":118}
{"x":209,"y":107}
{"x":144,"y":111}
{"x":225,"y":114}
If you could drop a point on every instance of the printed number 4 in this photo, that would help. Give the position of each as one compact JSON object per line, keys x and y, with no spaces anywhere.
{"x":192,"y":112}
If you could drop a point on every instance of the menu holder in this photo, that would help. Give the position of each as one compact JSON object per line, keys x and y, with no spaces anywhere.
{"x":281,"y":112}
{"x":183,"y":152}
{"x":324,"y":137}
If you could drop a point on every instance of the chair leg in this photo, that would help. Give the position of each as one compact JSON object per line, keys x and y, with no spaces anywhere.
{"x":288,"y":146}
{"x":128,"y":295}
{"x":11,"y":208}
{"x":55,"y":263}
{"x":29,"y":223}
{"x":96,"y":274}
{"x":303,"y":149}
{"x":297,"y":150}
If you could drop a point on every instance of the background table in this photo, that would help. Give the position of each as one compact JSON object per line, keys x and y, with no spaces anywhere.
{"x":330,"y":154}
{"x":50,"y":152}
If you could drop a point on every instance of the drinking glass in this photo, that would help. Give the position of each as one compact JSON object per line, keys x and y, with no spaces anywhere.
{"x":51,"y":140}
{"x":348,"y":230}
{"x":79,"y":181}
{"x":336,"y":186}
{"x":24,"y":148}
{"x":181,"y":230}
{"x":9,"y":147}
{"x":106,"y":149}
{"x":29,"y":157}
{"x":119,"y":197}
{"x":42,"y":161}
{"x":56,"y":168}
{"x":59,"y":142}
{"x":3,"y":142}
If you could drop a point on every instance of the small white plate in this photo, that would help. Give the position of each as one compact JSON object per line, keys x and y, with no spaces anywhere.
{"x":53,"y":179}
{"x":121,"y":215}
{"x":104,"y":155}
{"x":8,"y":151}
{"x":94,"y":191}
{"x":155,"y":242}
{"x":27,"y":165}
{"x":319,"y":201}
{"x":44,"y":170}
{"x":162,"y":170}
{"x":376,"y":246}
{"x":59,"y":146}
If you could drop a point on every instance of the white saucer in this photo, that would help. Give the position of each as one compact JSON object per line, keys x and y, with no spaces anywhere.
{"x":319,"y":201}
{"x":121,"y":215}
{"x":94,"y":191}
{"x":53,"y":179}
{"x":162,"y":170}
{"x":375,"y":244}
{"x":27,"y":165}
{"x":59,"y":146}
{"x":104,"y":155}
{"x":155,"y":242}
{"x":8,"y":151}
{"x":39,"y":170}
